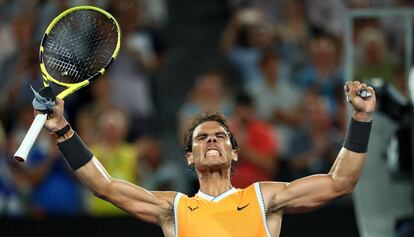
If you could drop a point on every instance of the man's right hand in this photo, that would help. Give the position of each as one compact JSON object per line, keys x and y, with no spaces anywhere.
{"x":55,"y":121}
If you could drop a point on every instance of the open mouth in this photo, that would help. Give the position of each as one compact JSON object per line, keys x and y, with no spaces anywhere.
{"x":212,"y":152}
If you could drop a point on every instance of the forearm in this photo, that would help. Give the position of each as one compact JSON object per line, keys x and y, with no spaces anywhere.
{"x":346,"y":170}
{"x":86,"y":167}
{"x":351,"y":159}
{"x":95,"y":177}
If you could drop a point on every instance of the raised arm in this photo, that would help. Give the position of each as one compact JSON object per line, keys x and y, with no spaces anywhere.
{"x":154,"y":207}
{"x":314,"y":191}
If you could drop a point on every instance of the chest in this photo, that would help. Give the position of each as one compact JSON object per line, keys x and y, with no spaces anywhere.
{"x":232,"y":216}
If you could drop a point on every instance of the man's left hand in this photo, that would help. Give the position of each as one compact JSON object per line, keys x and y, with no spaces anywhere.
{"x":363,"y":104}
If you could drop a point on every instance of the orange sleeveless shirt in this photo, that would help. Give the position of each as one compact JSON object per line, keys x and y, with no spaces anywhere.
{"x":237,"y":212}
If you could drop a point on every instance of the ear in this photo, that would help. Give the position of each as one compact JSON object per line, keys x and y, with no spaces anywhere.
{"x":189,"y":157}
{"x":234,"y":155}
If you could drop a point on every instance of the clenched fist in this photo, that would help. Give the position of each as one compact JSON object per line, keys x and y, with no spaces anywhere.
{"x":362,"y":98}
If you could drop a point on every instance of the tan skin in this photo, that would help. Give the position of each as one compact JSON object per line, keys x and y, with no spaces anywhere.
{"x":212,"y":154}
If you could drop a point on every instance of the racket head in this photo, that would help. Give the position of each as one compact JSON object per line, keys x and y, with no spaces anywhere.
{"x":78,"y":46}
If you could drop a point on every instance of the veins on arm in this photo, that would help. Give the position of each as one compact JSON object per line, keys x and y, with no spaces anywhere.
{"x":154,"y":207}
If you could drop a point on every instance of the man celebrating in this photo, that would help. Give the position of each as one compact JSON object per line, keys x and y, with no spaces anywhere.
{"x":218,"y":209}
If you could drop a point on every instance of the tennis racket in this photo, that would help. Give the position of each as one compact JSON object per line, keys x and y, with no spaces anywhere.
{"x":78,"y":47}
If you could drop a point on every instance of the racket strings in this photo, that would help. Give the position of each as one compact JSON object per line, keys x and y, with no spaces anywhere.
{"x":79,"y":45}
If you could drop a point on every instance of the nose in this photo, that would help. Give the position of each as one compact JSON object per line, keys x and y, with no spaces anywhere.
{"x":211,"y":138}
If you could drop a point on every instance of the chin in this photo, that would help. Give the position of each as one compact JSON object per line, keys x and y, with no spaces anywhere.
{"x":217,"y":163}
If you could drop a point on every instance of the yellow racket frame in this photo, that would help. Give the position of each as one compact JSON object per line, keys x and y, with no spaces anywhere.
{"x":72,"y":87}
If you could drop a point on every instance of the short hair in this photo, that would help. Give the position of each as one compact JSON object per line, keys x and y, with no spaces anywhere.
{"x":202,"y":118}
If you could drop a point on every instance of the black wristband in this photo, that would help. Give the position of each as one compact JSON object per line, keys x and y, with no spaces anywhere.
{"x":63,"y":131}
{"x":357,"y":136}
{"x":75,"y":152}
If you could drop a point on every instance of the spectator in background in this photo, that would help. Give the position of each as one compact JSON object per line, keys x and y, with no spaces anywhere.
{"x":271,"y":9}
{"x":137,"y":64}
{"x":26,"y":74}
{"x":118,"y":156}
{"x":322,"y":74}
{"x":208,"y":94}
{"x":155,"y":13}
{"x":258,"y":153}
{"x":19,"y":69}
{"x":317,"y":140}
{"x":86,"y":125}
{"x":6,"y":39}
{"x":370,"y":3}
{"x":155,"y":172}
{"x":47,"y":12}
{"x":294,"y":33}
{"x":327,"y":16}
{"x":277,"y":100}
{"x":43,"y":174}
{"x":375,"y":60}
{"x":245,"y":36}
{"x":55,"y":192}
{"x":11,"y":203}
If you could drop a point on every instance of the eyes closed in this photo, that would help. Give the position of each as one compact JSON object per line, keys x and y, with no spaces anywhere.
{"x":219,"y":135}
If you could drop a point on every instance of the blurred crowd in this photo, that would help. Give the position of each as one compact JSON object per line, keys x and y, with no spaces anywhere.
{"x":282,"y":91}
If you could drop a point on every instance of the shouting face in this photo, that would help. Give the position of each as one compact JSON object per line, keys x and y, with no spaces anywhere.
{"x":211,"y":149}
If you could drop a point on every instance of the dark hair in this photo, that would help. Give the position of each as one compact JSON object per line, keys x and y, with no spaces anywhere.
{"x":202,"y":118}
{"x":244,"y":99}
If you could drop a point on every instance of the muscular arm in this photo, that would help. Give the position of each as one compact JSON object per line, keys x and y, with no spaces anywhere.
{"x":148,"y":206}
{"x":145,"y":205}
{"x":312,"y":192}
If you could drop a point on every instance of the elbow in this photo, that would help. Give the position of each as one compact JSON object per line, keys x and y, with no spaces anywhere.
{"x":103,"y":192}
{"x":344,"y":186}
{"x":349,"y":190}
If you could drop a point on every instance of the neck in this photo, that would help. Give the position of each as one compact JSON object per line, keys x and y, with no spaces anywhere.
{"x":214,"y":183}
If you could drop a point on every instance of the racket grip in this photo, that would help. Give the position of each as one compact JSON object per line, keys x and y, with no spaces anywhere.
{"x":31,"y":135}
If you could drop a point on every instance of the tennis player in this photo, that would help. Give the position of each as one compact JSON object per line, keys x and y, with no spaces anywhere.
{"x":218,"y":209}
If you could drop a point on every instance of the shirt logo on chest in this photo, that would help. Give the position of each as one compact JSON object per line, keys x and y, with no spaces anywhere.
{"x":242,"y":207}
{"x":192,"y":208}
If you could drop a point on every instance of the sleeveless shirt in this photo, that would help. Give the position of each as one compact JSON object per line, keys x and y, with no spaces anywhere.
{"x":236,"y":212}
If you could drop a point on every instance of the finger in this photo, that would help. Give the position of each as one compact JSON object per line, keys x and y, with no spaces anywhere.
{"x":347,"y":86}
{"x":352,"y":89}
{"x":371,"y":91}
{"x":359,"y":86}
{"x":361,"y":89}
{"x":59,"y":101}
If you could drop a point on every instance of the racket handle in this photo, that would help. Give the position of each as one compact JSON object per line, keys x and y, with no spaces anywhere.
{"x":30,"y":138}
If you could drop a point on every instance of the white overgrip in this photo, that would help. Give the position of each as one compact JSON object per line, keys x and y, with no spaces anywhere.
{"x":31,"y":135}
